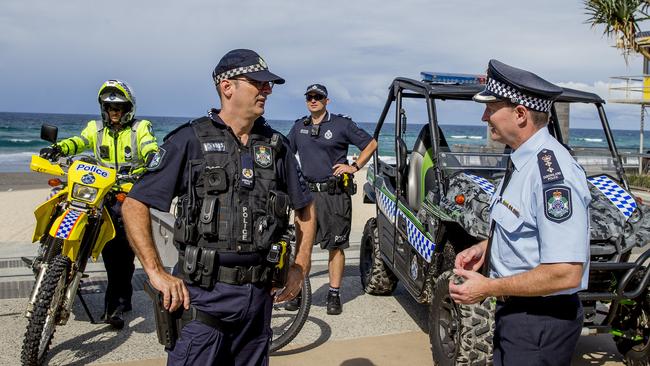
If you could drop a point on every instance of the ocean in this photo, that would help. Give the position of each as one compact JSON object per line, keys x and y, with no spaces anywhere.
{"x":20,"y":135}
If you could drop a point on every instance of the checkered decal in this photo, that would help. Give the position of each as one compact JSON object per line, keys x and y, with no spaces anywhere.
{"x":617,"y":195}
{"x":509,"y":92}
{"x":485,"y":184}
{"x":416,"y":238}
{"x":68,"y":222}
{"x":238,"y":71}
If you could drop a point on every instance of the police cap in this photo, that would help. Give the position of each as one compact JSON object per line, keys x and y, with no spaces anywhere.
{"x":517,"y":86}
{"x":244,"y":62}
{"x":317,"y":89}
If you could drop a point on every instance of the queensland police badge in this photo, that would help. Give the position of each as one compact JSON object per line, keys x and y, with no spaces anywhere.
{"x":558,"y":203}
{"x":263,"y":156}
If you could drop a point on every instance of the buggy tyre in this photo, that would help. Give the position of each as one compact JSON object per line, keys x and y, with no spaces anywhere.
{"x":376,"y":277}
{"x":42,"y":323}
{"x":637,"y":318}
{"x":459,"y":334}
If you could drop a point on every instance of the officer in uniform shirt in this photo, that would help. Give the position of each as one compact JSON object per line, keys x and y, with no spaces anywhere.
{"x":235,"y":179}
{"x":538,"y":251}
{"x":321,"y":140}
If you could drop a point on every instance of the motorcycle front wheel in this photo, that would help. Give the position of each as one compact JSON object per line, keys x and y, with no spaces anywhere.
{"x":42,"y":323}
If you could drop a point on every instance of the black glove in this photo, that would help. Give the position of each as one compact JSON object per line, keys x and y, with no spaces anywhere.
{"x":50,"y":152}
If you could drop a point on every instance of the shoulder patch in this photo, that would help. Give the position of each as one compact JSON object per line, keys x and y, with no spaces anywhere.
{"x":549,"y":169}
{"x":557,"y":203}
{"x":173,"y":132}
{"x":156,"y":159}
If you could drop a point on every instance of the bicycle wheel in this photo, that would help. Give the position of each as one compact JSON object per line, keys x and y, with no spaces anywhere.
{"x":287,"y":324}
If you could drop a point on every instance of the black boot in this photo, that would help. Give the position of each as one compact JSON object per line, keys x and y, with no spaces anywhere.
{"x":334,"y":303}
{"x":116,"y":319}
{"x":293,"y":305}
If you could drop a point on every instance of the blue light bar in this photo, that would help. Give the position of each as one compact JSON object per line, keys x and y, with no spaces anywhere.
{"x":452,"y":79}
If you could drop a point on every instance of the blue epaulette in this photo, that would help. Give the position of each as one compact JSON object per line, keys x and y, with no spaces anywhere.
{"x":344,"y":116}
{"x":549,"y":169}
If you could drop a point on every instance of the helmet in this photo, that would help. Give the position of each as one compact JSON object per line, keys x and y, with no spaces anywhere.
{"x":117,"y":91}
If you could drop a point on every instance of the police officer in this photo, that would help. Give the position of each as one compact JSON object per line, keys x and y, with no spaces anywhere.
{"x":538,"y":251}
{"x":122,"y":142}
{"x":321,"y":140}
{"x":235,"y":179}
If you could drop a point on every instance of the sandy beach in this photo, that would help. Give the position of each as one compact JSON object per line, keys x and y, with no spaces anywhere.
{"x":387,"y":330}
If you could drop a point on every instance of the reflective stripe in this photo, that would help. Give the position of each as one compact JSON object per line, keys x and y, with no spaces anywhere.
{"x":99,"y":139}
{"x":135,"y":155}
{"x":142,"y":145}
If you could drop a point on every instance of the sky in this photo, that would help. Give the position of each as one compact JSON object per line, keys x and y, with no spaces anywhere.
{"x":55,"y":55}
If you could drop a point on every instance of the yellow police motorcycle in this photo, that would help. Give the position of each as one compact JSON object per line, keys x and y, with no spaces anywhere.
{"x":72,"y":226}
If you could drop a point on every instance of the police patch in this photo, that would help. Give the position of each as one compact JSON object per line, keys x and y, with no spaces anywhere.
{"x":263,"y":156}
{"x":88,"y":178}
{"x":328,"y":134}
{"x":557,"y":203}
{"x":157,"y":159}
{"x":549,"y":169}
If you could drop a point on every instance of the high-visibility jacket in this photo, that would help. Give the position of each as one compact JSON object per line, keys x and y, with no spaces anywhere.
{"x":127,"y":148}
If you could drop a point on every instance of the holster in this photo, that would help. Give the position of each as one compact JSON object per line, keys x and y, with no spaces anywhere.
{"x":168,"y":325}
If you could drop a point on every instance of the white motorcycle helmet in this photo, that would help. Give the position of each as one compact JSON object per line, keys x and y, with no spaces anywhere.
{"x":117,"y":91}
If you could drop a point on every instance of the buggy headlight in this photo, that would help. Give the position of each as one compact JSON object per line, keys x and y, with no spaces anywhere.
{"x":636,"y":216}
{"x":81,"y":192}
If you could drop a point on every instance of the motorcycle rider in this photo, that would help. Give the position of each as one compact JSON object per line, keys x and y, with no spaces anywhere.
{"x":122,"y":142}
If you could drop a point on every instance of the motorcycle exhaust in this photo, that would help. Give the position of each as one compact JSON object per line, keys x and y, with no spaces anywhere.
{"x":68,"y":300}
{"x":35,"y":290}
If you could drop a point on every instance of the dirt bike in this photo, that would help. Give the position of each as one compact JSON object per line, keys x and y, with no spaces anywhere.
{"x":72,"y":226}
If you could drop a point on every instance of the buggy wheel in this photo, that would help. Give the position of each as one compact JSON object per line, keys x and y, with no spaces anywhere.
{"x":459,"y":334}
{"x":287,"y":324}
{"x":376,"y":277}
{"x":40,"y":327}
{"x":635,"y":318}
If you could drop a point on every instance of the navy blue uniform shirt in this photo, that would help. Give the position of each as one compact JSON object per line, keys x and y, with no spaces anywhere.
{"x":169,"y":170}
{"x":318,"y":154}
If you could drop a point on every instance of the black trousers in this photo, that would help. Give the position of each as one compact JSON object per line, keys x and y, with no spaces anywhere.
{"x":118,"y":260}
{"x":537,"y":330}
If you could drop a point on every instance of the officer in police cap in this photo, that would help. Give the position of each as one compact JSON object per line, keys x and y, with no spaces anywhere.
{"x":537,"y":256}
{"x":322,"y":140}
{"x":235,"y":179}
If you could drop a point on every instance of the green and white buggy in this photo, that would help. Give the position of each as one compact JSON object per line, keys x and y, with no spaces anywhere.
{"x":432,"y":202}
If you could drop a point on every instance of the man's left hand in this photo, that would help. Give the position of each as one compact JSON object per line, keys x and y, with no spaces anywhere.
{"x":343,"y":168}
{"x":472,"y":290}
{"x":293,"y":285}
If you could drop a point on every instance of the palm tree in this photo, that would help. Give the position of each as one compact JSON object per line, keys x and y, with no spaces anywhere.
{"x":621,"y":20}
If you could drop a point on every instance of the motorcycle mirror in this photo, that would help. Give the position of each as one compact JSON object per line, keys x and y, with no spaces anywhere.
{"x":49,"y":133}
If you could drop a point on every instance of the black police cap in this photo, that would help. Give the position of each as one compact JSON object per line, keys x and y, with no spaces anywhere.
{"x":244,"y":62}
{"x":317,"y":89}
{"x":518,"y":86}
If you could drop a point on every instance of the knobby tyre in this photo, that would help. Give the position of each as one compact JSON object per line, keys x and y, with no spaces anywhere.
{"x":41,"y":325}
{"x":376,"y":277}
{"x":459,"y":334}
{"x":287,"y":324}
{"x":634,"y":318}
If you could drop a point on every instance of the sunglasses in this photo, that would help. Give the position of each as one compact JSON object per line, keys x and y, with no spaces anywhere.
{"x":316,"y":97}
{"x":259,"y":85}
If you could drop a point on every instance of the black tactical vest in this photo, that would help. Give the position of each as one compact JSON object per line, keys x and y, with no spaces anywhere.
{"x":233,"y":205}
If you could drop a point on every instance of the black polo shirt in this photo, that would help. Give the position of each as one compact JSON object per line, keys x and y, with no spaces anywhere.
{"x":318,"y":154}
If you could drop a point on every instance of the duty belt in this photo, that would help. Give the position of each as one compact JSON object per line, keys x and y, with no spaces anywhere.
{"x":319,"y":187}
{"x":242,"y":275}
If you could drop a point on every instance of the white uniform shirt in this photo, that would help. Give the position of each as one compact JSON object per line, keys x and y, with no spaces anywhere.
{"x":543,"y":215}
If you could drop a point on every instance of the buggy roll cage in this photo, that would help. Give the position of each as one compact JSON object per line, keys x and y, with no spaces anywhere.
{"x":408,"y":88}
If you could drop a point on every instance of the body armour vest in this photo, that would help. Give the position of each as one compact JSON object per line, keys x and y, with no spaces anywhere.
{"x":233,"y":204}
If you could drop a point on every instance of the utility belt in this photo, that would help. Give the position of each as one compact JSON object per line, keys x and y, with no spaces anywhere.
{"x":336,"y":185}
{"x":199,"y":266}
{"x":539,"y":301}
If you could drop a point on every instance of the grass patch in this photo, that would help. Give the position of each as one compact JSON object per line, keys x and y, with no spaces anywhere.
{"x":637,"y":180}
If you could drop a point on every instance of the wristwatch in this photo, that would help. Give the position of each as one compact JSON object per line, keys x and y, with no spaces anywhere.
{"x":356,"y":166}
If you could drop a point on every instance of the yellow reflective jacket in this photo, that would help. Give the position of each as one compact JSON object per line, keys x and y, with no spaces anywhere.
{"x":127,"y":148}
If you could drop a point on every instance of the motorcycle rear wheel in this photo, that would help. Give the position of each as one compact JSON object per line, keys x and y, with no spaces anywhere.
{"x":41,"y":325}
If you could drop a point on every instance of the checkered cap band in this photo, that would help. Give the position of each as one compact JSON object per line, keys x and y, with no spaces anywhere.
{"x":238,"y":71}
{"x":68,"y":222}
{"x":615,"y":193}
{"x":516,"y":96}
{"x":416,"y":238}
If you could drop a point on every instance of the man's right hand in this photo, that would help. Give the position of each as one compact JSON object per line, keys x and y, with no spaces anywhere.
{"x":472,"y":258}
{"x":173,"y":289}
{"x":50,"y":152}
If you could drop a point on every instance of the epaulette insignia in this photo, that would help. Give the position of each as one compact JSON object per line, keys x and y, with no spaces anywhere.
{"x":549,"y":169}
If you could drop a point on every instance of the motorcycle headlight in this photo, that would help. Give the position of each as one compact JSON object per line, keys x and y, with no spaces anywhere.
{"x":81,"y":192}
